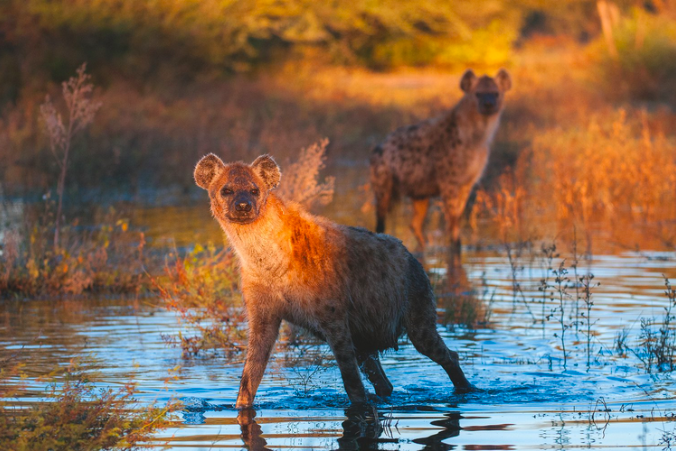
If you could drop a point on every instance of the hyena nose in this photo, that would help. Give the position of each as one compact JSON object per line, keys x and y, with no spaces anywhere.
{"x":243,"y":206}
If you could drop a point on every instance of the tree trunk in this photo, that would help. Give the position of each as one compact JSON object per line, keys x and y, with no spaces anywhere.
{"x":609,"y":15}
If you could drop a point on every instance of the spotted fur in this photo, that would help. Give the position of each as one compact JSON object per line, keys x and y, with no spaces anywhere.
{"x":442,"y":156}
{"x":357,"y":290}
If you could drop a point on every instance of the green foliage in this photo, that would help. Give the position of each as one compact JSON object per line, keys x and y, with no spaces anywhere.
{"x":183,"y":38}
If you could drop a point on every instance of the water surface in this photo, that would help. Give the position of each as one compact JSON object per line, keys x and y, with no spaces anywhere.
{"x":526,"y":398}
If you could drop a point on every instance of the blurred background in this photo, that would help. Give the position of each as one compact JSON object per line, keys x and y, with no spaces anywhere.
{"x":586,"y":140}
{"x":181,"y":78}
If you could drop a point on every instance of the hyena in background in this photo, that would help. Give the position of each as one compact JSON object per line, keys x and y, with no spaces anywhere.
{"x":444,"y":155}
{"x":356,"y":290}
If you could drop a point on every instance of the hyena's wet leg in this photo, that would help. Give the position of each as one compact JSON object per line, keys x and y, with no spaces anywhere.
{"x":263,"y":332}
{"x":420,"y":207}
{"x":454,"y":204}
{"x":374,"y":371}
{"x":338,"y":337}
{"x":421,"y":327}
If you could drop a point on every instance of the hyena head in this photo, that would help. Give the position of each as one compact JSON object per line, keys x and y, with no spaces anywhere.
{"x":238,"y":191}
{"x":487,"y":93}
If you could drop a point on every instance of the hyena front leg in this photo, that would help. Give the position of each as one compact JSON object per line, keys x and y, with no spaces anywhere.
{"x":454,"y":199}
{"x":263,"y":332}
{"x":382,"y":185}
{"x":338,"y":337}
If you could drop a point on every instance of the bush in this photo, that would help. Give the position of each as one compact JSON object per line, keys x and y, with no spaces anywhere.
{"x":106,"y":258}
{"x":78,"y":416}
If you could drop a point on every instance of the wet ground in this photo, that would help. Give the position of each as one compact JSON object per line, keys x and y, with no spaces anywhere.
{"x":526,"y":399}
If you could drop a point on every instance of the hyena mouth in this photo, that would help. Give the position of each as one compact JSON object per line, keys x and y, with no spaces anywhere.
{"x":488,"y":110}
{"x":241,"y":218}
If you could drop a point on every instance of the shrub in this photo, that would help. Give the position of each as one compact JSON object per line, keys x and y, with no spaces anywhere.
{"x":202,"y":288}
{"x":106,"y":258}
{"x":78,"y":416}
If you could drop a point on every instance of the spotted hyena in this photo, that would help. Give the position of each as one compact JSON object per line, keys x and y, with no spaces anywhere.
{"x":444,"y":155}
{"x":357,"y":290}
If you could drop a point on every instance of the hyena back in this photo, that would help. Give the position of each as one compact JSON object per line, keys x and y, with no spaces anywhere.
{"x":357,"y":290}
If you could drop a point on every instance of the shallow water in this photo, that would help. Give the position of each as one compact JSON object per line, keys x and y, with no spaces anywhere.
{"x":526,"y":398}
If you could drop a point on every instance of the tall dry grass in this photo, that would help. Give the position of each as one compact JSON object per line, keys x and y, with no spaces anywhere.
{"x":301,"y":178}
{"x":79,"y":114}
{"x":613,"y":175}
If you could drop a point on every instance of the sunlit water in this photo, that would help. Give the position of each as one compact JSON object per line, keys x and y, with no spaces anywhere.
{"x":526,"y":399}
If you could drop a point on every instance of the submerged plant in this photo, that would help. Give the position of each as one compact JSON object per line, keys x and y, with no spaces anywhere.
{"x":308,"y":361}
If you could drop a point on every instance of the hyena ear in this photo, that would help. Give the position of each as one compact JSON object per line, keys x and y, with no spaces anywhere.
{"x":504,"y":80}
{"x":208,"y":168}
{"x":467,"y":80}
{"x":266,"y":167}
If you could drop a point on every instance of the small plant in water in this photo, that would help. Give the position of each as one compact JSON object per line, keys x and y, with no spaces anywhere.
{"x":561,"y":284}
{"x":587,"y":285}
{"x":658,"y":347}
{"x":202,"y":288}
{"x":514,"y":258}
{"x":307,"y":362}
{"x":576,"y":285}
{"x":620,"y":345}
{"x":548,"y":254}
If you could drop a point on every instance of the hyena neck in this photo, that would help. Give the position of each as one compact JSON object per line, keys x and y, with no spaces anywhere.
{"x":471,"y":128}
{"x":258,"y":245}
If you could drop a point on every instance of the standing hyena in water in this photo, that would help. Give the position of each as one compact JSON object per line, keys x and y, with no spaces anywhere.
{"x":354,"y":289}
{"x":445,"y":155}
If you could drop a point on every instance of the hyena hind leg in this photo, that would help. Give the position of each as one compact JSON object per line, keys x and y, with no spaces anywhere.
{"x":374,"y":371}
{"x":420,"y":207}
{"x":421,"y":326}
{"x":428,"y":342}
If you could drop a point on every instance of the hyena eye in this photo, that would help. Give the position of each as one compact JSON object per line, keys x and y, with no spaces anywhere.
{"x":255,"y":191}
{"x":226,"y":192}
